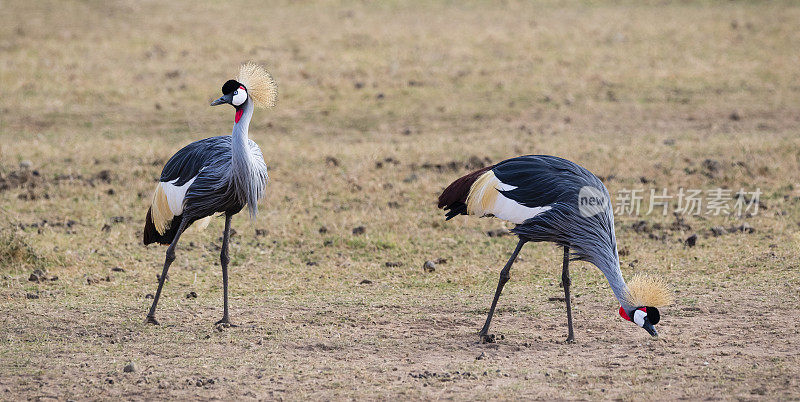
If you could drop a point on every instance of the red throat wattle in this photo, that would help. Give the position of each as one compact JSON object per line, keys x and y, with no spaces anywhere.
{"x":623,"y":314}
{"x":239,"y":113}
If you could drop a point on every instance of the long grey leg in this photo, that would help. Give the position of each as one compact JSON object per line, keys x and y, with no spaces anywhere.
{"x":566,"y":282}
{"x":224,"y":260}
{"x":504,"y":276}
{"x":151,"y":316}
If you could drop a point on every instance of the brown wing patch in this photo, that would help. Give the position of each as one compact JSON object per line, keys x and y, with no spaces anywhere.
{"x":457,"y":191}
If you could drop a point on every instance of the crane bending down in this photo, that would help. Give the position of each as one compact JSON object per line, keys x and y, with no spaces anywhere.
{"x":215,"y":175}
{"x":555,"y":200}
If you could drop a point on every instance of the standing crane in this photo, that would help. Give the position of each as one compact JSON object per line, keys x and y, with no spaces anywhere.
{"x":214,"y":175}
{"x":552,"y":199}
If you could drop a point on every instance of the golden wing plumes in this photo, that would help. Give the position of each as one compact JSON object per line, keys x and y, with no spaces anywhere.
{"x":261,"y":87}
{"x":649,"y":291}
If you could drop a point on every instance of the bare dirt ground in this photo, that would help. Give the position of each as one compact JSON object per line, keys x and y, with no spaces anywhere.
{"x":381,"y":106}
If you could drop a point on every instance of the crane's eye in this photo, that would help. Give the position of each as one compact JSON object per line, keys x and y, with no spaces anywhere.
{"x":236,"y":92}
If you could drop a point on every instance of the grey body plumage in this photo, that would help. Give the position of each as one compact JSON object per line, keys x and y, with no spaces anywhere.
{"x":229,"y":172}
{"x":542,"y":195}
{"x":556,"y":182}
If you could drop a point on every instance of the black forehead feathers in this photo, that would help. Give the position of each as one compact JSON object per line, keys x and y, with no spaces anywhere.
{"x":653,"y":315}
{"x":230,"y":86}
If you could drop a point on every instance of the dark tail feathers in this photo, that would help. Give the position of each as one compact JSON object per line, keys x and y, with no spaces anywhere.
{"x":151,"y":235}
{"x":454,"y":197}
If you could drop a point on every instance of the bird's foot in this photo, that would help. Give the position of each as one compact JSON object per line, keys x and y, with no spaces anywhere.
{"x":570,"y":340}
{"x":487,"y":338}
{"x":225,"y":322}
{"x":151,"y":320}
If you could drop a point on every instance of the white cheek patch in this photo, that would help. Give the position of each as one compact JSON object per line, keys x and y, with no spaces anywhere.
{"x":638,"y":317}
{"x":240,"y":97}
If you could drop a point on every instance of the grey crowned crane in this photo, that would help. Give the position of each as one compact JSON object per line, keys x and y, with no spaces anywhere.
{"x":215,"y":175}
{"x":552,"y":199}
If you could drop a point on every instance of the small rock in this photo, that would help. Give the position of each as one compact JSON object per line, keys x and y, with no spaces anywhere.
{"x":557,"y":299}
{"x":712,"y":168}
{"x":31,"y":296}
{"x":365,"y":282}
{"x":498,"y":233}
{"x":735,"y":116}
{"x":440,"y":261}
{"x":104,"y":175}
{"x":641,"y":227}
{"x":118,"y":269}
{"x":323,"y":229}
{"x":680,"y":224}
{"x":331,"y":161}
{"x":191,"y":295}
{"x":393,"y":264}
{"x":691,"y":240}
{"x":718,"y":231}
{"x":261,"y":232}
{"x":429,"y":266}
{"x":311,"y":263}
{"x":669,"y":141}
{"x":359,"y":230}
{"x":129,"y":368}
{"x":744,"y":228}
{"x":36,"y":276}
{"x":26,"y":164}
{"x":411,"y":178}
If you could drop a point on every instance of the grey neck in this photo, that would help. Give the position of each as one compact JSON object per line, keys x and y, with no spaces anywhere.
{"x":610,"y":268}
{"x":244,"y":176}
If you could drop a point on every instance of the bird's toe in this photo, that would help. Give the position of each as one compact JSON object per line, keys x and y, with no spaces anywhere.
{"x":151,"y":320}
{"x":225,"y":323}
{"x":487,"y":338}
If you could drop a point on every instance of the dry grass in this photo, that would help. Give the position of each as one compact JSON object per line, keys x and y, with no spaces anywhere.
{"x":99,"y":94}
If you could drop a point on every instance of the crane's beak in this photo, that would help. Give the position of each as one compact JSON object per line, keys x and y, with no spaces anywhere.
{"x":227,"y":98}
{"x":649,"y":328}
